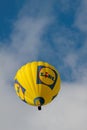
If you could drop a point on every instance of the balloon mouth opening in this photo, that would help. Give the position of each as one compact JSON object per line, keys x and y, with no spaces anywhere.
{"x":39,"y":101}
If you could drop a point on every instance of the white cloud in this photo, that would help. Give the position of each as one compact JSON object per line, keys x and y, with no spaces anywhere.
{"x":26,"y":37}
{"x":67,"y":111}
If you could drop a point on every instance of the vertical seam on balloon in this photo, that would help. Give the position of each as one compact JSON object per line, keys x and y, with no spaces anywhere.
{"x":39,"y":85}
{"x":29,"y":85}
{"x":33,"y":78}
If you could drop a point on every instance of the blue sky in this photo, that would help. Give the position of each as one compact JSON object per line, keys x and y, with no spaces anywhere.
{"x":54,"y":31}
{"x":8,"y":13}
{"x":60,"y":35}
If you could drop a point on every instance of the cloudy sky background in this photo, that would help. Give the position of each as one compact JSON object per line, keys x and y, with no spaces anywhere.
{"x":54,"y":31}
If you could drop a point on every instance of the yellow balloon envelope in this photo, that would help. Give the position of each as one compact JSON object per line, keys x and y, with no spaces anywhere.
{"x":37,"y":83}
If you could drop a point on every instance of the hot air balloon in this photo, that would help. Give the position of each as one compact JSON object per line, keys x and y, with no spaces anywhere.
{"x":37,"y":83}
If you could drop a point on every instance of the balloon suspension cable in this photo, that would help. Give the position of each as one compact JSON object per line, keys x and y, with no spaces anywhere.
{"x":39,"y":107}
